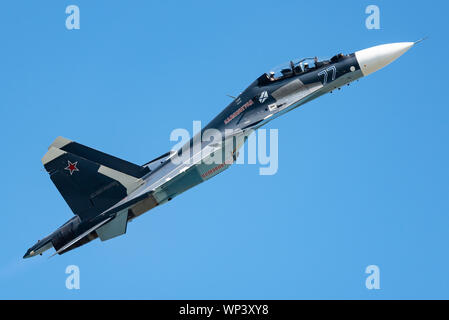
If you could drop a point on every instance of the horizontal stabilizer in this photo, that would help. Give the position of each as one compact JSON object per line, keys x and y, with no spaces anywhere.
{"x":81,"y":236}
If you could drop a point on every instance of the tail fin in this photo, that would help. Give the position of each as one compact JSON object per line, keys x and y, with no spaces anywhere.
{"x":89,"y":180}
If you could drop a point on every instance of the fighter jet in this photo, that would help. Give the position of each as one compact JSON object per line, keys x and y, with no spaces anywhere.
{"x":105,"y":192}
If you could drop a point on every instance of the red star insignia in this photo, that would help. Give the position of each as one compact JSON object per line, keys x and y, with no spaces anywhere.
{"x":71,"y":167}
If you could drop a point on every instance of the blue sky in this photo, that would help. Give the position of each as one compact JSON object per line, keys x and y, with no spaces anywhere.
{"x":363,"y":172}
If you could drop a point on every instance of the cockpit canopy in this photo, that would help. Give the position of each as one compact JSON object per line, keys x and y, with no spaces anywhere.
{"x":296,"y":67}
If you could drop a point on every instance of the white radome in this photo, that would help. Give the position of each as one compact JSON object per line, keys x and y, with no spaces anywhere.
{"x":375,"y":58}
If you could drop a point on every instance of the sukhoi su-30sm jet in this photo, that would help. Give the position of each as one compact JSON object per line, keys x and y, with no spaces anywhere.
{"x":105,"y":192}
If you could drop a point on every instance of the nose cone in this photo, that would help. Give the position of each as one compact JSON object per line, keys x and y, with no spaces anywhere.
{"x":375,"y":58}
